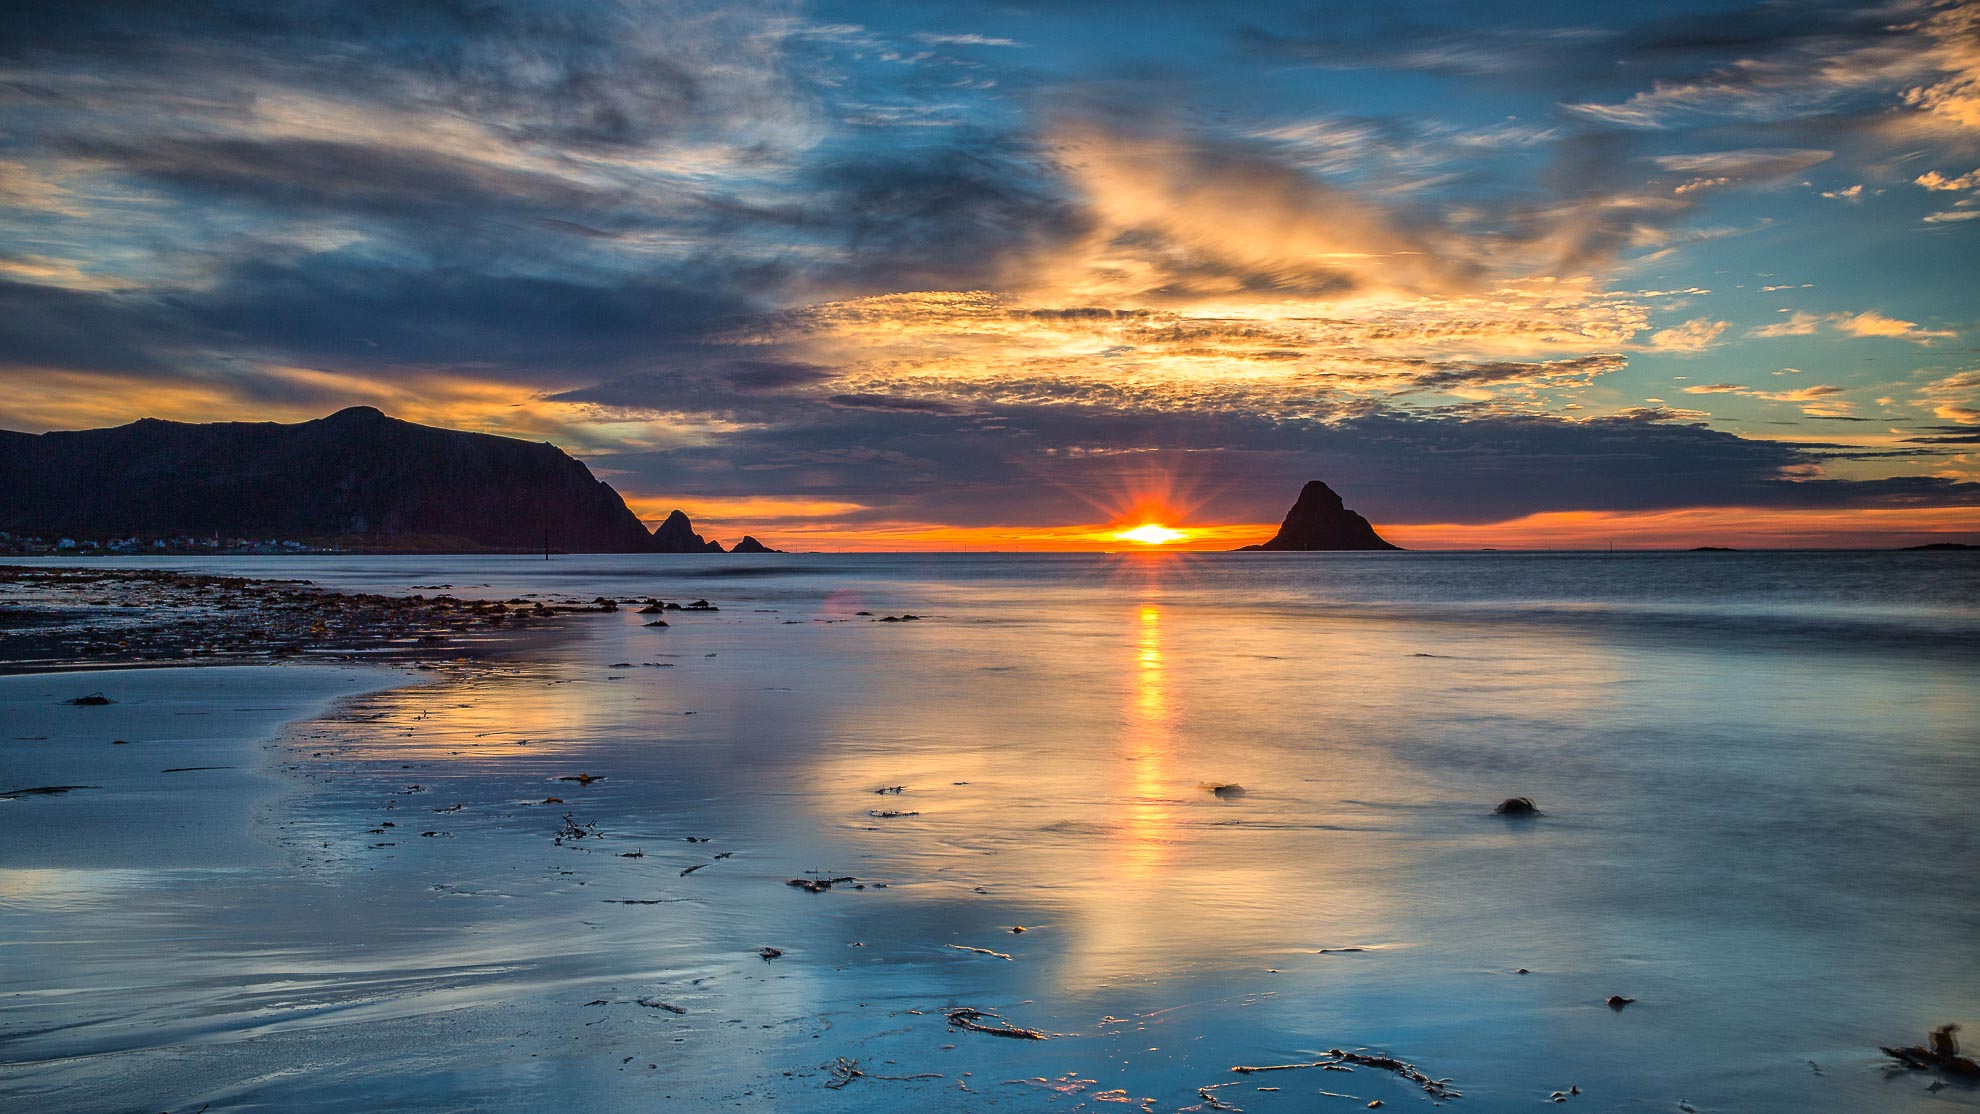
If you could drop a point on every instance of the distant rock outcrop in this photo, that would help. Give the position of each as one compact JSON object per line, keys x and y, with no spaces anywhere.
{"x":751,"y":545}
{"x":356,"y":478}
{"x":676,"y":535}
{"x":1319,"y":521}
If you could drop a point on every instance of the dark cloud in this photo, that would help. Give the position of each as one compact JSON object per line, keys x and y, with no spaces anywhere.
{"x":891,"y":404}
{"x":45,"y":327}
{"x":1529,"y":46}
{"x":1053,"y":464}
{"x":580,"y":76}
{"x":315,"y":177}
{"x":1948,"y":435}
{"x":336,"y":306}
{"x":944,"y":217}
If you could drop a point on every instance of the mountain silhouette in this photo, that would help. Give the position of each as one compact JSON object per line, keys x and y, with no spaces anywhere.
{"x":356,"y":478}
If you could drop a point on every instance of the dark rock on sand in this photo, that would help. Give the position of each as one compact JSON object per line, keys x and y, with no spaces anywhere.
{"x":1940,"y":1052}
{"x":1319,"y":521}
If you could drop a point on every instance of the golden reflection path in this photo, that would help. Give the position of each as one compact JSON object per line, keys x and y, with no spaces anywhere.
{"x":1147,"y":744}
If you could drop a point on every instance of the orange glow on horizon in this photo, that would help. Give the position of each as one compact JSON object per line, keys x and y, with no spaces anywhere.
{"x":1739,"y":527}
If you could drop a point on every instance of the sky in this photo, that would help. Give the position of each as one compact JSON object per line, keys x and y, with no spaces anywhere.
{"x":935,"y":275}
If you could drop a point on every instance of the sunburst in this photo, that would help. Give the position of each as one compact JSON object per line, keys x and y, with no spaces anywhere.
{"x":1151,"y":534}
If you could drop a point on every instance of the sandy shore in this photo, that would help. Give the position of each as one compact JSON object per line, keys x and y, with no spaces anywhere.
{"x":167,"y":775}
{"x":159,"y":767}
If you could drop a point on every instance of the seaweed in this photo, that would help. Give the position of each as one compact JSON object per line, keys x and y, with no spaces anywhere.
{"x":572,"y":830}
{"x":44,"y":791}
{"x":817,"y":885}
{"x":1436,"y":1088}
{"x":1940,"y":1052}
{"x":974,"y":1020}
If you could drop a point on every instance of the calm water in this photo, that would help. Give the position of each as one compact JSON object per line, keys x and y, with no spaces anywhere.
{"x":1758,"y":773}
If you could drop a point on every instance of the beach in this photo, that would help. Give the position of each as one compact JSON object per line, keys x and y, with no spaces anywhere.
{"x":777,"y":853}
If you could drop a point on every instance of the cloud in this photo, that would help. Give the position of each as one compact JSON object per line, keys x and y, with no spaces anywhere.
{"x":1752,"y":166}
{"x":1873,"y":324}
{"x":972,"y":39}
{"x":1954,"y":33}
{"x":1954,"y":397}
{"x":1695,"y":335}
{"x":1869,"y":323}
{"x":1911,"y":63}
{"x":1817,"y":401}
{"x":1933,"y":180}
{"x":1797,"y":325}
{"x":1046,"y":465}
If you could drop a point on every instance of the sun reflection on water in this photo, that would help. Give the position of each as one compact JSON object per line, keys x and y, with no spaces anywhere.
{"x":1147,"y":744}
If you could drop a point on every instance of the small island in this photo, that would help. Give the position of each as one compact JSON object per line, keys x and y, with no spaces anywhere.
{"x":1318,"y":521}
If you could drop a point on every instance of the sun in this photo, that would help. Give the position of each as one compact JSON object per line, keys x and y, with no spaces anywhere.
{"x":1151,"y":534}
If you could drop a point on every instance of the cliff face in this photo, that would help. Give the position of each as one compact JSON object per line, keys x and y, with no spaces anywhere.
{"x":1318,"y":520}
{"x":356,"y":475}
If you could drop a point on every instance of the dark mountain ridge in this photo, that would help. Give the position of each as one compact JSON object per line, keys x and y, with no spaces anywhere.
{"x":356,"y":477}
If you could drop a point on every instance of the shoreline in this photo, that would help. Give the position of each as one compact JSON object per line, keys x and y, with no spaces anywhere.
{"x":171,"y":776}
{"x":66,"y":619}
{"x":171,"y":771}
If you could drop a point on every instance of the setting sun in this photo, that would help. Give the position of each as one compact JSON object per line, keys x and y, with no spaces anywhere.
{"x":1151,"y":534}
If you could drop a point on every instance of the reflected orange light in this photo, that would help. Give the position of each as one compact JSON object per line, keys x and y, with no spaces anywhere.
{"x":1147,"y":831}
{"x":1151,"y":534}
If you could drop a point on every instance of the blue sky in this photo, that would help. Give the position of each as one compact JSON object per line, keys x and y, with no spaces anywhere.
{"x":938,"y":273}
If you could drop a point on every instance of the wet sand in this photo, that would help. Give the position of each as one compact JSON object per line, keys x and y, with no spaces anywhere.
{"x":1726,"y":848}
{"x":169,"y":776}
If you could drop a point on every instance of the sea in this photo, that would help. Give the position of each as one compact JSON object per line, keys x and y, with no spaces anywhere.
{"x":1080,"y":832}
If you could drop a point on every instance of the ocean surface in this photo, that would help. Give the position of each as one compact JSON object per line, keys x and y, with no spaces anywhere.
{"x":1759,"y":776}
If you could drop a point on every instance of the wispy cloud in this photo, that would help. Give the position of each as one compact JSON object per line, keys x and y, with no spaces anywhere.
{"x":1868,"y":323}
